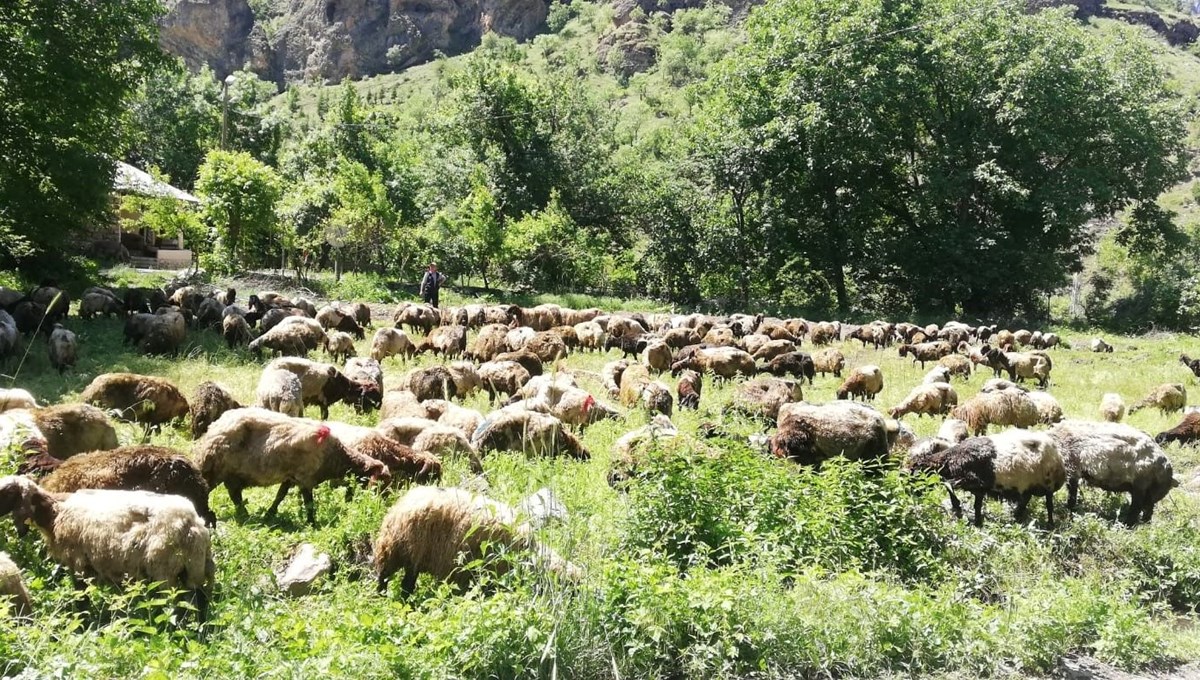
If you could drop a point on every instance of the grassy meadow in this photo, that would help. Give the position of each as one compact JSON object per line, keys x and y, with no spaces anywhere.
{"x":727,"y":565}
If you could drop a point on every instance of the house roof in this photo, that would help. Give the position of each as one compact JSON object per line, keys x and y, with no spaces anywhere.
{"x":130,"y":180}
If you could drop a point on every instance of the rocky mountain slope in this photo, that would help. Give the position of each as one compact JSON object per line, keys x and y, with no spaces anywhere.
{"x":323,"y":41}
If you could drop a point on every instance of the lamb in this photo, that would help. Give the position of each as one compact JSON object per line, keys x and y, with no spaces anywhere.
{"x":1116,"y":458}
{"x":812,"y":433}
{"x":339,"y":345}
{"x":436,"y":531}
{"x":255,"y":447}
{"x":932,"y":399}
{"x":93,"y":304}
{"x":324,"y":385}
{"x":1098,"y":345}
{"x":391,"y":342}
{"x":1049,"y":411}
{"x":295,"y":336}
{"x":1022,"y":365}
{"x":1016,"y":464}
{"x":1168,"y":398}
{"x":16,"y":398}
{"x":630,"y":345}
{"x":13,"y":594}
{"x":1187,"y":432}
{"x":529,"y":431}
{"x":1112,"y":408}
{"x":134,"y":468}
{"x":236,"y":331}
{"x":139,"y":398}
{"x":280,"y":390}
{"x":118,"y":535}
{"x":1193,"y":365}
{"x":957,"y":364}
{"x":723,"y":362}
{"x":1005,"y":407}
{"x":591,"y":336}
{"x":209,"y":401}
{"x":447,"y":341}
{"x":829,"y":360}
{"x":797,"y":364}
{"x":502,"y":377}
{"x":688,"y":390}
{"x":763,"y":397}
{"x":863,"y":381}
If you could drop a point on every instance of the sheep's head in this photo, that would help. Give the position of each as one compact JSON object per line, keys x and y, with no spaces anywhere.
{"x":21,"y":497}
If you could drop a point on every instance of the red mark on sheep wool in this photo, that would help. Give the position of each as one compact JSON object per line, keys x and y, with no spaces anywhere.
{"x":588,"y":404}
{"x":322,"y":434}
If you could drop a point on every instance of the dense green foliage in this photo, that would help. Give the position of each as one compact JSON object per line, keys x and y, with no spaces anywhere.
{"x":68,"y":73}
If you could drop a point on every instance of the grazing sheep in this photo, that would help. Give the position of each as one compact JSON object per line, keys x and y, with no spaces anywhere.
{"x":763,"y":397}
{"x":1021,"y":365}
{"x":446,"y":441}
{"x":324,"y":385}
{"x":797,"y":364}
{"x":657,"y":356}
{"x":139,"y":398}
{"x":1005,"y":407}
{"x":447,"y":341}
{"x":275,"y":316}
{"x":610,"y":375}
{"x":932,"y":399}
{"x":957,"y":364}
{"x":591,"y":336}
{"x":1023,"y":337}
{"x":723,"y":362}
{"x":65,"y":430}
{"x":577,"y":407}
{"x":631,"y":447}
{"x":863,"y":381}
{"x":391,"y":342}
{"x":236,"y":331}
{"x":405,"y":429}
{"x":117,"y":535}
{"x":280,"y":390}
{"x":811,"y":433}
{"x":1167,"y":398}
{"x":134,"y":468}
{"x":1116,"y":458}
{"x":688,"y":390}
{"x":431,"y":382}
{"x":1049,"y":411}
{"x":953,"y":430}
{"x":254,"y":447}
{"x":1098,"y":345}
{"x":9,"y":336}
{"x":528,"y":360}
{"x":446,"y":533}
{"x":209,"y":402}
{"x":13,"y":594}
{"x":829,"y":360}
{"x":926,"y":351}
{"x":93,"y":304}
{"x":160,"y":333}
{"x":502,"y":377}
{"x":822,"y":333}
{"x":1016,"y":464}
{"x":1112,"y":408}
{"x":528,"y":431}
{"x":678,"y":338}
{"x":1187,"y":432}
{"x":403,"y":462}
{"x":295,"y":336}
{"x":547,"y":345}
{"x":339,"y":346}
{"x":636,"y":386}
{"x":16,"y":398}
{"x":938,"y":374}
{"x":209,"y":314}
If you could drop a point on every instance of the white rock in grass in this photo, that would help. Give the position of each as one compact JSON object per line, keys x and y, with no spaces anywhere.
{"x":543,"y":506}
{"x":303,"y":569}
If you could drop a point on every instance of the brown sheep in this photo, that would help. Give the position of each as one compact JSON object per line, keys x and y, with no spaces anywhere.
{"x":423,"y":317}
{"x":864,"y":382}
{"x":391,"y":342}
{"x":70,"y":429}
{"x":528,"y":360}
{"x":548,"y":346}
{"x":926,"y":351}
{"x":447,"y":341}
{"x":528,"y":431}
{"x":139,"y":398}
{"x":491,"y":340}
{"x":502,"y":377}
{"x":63,"y":348}
{"x":209,"y":402}
{"x":324,"y":385}
{"x":688,"y":390}
{"x":236,"y":331}
{"x":1167,"y":398}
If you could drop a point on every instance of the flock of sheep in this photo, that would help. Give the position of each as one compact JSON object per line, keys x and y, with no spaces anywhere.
{"x":142,"y":512}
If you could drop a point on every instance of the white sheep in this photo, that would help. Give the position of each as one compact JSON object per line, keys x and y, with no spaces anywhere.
{"x":1049,"y":410}
{"x":16,"y":398}
{"x":863,"y":381}
{"x":937,"y":374}
{"x":280,"y":391}
{"x":12,"y":588}
{"x":447,"y":532}
{"x":63,"y":348}
{"x":529,"y":431}
{"x":117,"y":535}
{"x":932,"y":399}
{"x":1005,"y":407}
{"x":1112,"y":407}
{"x":392,"y":342}
{"x":1115,"y":458}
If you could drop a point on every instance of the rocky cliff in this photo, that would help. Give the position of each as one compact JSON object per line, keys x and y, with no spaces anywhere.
{"x":326,"y":40}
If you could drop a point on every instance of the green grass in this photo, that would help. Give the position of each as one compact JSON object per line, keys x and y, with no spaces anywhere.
{"x":784,"y":573}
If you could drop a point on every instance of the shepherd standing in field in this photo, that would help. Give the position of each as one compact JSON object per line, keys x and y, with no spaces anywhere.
{"x":431,"y":283}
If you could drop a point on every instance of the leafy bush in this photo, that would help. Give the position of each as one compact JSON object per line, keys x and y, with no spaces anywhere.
{"x":739,"y":507}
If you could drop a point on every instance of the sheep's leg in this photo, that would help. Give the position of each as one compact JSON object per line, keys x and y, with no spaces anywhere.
{"x":1050,"y":510}
{"x":235,"y":495}
{"x":1134,"y":512}
{"x":284,"y":487}
{"x":979,"y":508}
{"x":324,"y":410}
{"x":1021,"y":511}
{"x":1072,"y":494}
{"x":955,"y":504}
{"x":409,"y":584}
{"x":310,"y":506}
